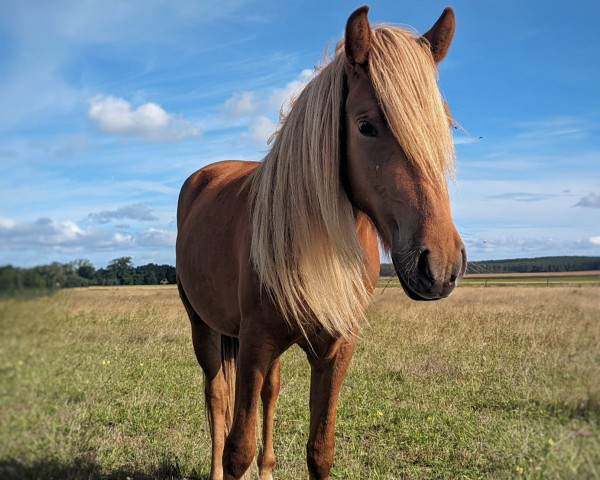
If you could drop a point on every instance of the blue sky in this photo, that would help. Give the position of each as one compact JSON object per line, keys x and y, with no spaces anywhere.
{"x":108,"y":106}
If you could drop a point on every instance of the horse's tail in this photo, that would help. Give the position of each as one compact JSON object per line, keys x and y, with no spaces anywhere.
{"x":229,"y":351}
{"x":230,"y":347}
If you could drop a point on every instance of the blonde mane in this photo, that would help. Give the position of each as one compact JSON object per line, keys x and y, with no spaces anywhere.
{"x":305,"y":247}
{"x":404,"y":77}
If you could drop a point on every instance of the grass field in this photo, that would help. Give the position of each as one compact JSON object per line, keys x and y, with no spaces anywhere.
{"x":494,"y":382}
{"x":548,"y":279}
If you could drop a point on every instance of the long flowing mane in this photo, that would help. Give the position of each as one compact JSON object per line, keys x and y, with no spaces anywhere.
{"x":305,"y":247}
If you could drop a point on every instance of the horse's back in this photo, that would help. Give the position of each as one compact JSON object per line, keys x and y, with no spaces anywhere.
{"x":210,"y":180}
{"x":213,"y":239}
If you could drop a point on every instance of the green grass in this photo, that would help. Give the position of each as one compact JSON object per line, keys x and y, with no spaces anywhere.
{"x":492,"y":383}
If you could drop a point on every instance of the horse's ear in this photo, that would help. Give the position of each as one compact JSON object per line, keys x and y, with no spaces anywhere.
{"x":440,"y":35}
{"x":358,"y":36}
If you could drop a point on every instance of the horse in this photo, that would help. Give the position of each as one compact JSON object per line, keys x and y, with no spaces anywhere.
{"x":285,"y":251}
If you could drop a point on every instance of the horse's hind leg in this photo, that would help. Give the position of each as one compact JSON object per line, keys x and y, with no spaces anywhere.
{"x":207,"y":347}
{"x":268,"y":395}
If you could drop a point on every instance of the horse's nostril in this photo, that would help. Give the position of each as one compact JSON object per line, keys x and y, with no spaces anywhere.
{"x":423,"y":265}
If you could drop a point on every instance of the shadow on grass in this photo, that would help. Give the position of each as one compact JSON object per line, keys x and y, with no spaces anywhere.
{"x":587,"y":409}
{"x":86,"y":469}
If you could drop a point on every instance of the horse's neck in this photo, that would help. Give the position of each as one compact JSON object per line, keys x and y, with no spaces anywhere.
{"x":367,"y":235}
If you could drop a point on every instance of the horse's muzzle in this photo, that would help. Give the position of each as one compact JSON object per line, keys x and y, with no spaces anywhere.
{"x":425,"y":276}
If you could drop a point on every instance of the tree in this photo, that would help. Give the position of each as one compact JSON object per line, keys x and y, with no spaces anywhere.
{"x":11,"y":279}
{"x":121,"y":269}
{"x":55,"y":274}
{"x":83,"y":268}
{"x":33,"y":280}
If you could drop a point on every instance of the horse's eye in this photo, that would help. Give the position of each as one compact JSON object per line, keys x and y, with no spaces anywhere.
{"x":366,"y":128}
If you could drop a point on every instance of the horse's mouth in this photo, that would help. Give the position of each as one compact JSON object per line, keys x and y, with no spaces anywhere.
{"x":412,"y":294}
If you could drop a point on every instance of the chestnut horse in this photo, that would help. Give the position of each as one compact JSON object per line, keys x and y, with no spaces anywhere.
{"x":285,"y":251}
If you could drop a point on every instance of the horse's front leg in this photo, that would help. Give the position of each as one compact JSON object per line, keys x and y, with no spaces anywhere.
{"x":327,"y":373}
{"x":255,"y":356}
{"x":268,"y":395}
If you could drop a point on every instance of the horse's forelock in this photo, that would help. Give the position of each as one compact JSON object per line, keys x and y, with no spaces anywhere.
{"x":404,"y":76}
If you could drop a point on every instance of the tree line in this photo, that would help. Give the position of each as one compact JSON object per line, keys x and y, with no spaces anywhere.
{"x":536,"y":265}
{"x":524,"y":265}
{"x":120,"y":271}
{"x":81,"y":273}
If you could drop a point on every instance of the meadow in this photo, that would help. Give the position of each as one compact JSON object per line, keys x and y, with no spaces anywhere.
{"x":498,"y":383}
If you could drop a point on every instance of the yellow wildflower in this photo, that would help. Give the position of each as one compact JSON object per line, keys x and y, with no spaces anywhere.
{"x":519,"y":470}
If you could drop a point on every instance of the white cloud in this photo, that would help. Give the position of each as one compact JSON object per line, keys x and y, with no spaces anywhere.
{"x":281,"y":98}
{"x":522,"y":196}
{"x":7,"y":223}
{"x":556,"y":127}
{"x":589,"y":201}
{"x":38,"y":88}
{"x":241,"y":104}
{"x":65,"y":236}
{"x":154,"y":237}
{"x":492,"y":246}
{"x":260,"y":131}
{"x":137,"y":211}
{"x":115,"y":115}
{"x":260,"y":109}
{"x":464,"y":140}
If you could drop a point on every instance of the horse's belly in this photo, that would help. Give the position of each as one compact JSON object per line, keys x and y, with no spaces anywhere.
{"x":207,"y":270}
{"x":219,"y":313}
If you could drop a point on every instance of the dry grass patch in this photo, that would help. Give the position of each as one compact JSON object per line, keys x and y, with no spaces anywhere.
{"x":491,"y":383}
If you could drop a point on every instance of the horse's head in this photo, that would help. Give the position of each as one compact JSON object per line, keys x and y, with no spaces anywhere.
{"x":392,"y":167}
